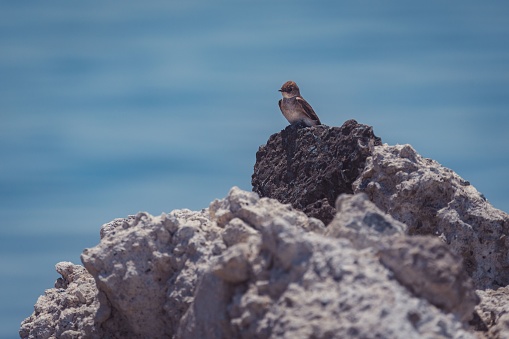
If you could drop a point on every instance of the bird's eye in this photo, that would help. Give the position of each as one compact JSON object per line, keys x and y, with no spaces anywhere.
{"x":290,"y":89}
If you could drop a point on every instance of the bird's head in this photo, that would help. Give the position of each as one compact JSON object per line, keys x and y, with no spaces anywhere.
{"x":289,"y":89}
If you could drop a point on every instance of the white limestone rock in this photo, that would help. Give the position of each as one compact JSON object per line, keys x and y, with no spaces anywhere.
{"x":249,"y":268}
{"x":433,"y":200}
{"x":70,"y":310}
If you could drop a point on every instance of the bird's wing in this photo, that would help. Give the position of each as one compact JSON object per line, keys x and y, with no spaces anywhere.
{"x":307,"y":109}
{"x":280,"y":102}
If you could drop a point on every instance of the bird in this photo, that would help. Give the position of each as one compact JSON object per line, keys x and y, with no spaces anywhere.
{"x":295,"y":109}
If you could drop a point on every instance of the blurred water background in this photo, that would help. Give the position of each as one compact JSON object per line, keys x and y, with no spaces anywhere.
{"x":108,"y":108}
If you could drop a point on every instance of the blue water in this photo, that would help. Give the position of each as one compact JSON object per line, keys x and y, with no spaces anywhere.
{"x":109,"y":108}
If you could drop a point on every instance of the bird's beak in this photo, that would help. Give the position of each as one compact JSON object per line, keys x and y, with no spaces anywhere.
{"x":280,"y":90}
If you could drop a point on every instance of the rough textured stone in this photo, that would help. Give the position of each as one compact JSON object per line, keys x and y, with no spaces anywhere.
{"x":249,"y":267}
{"x":494,"y":312}
{"x":70,"y":310}
{"x":310,"y":167}
{"x":427,"y":267}
{"x":359,"y":220}
{"x":433,"y":200}
{"x":303,"y":285}
{"x":255,"y":211}
{"x":148,"y":266}
{"x":252,"y":267}
{"x":423,"y":264}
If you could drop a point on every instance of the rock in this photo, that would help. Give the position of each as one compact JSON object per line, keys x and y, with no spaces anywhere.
{"x":148,"y":266}
{"x":250,"y":267}
{"x":70,"y":310}
{"x":364,"y":224}
{"x":304,"y":285}
{"x":433,"y":200}
{"x":400,"y":258}
{"x":493,"y":310}
{"x":310,"y":167}
{"x":423,"y":264}
{"x":255,"y":211}
{"x":427,"y":267}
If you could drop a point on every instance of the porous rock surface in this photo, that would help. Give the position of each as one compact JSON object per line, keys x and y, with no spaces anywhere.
{"x":423,"y":264}
{"x":69,"y":310}
{"x":425,"y":197}
{"x":493,"y":310}
{"x":364,"y":224}
{"x":147,"y":267}
{"x":250,"y":267}
{"x":433,"y":200}
{"x":310,"y":167}
{"x":297,"y":284}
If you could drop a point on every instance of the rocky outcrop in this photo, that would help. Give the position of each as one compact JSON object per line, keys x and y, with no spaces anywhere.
{"x":425,"y":197}
{"x":433,"y":200}
{"x":399,"y":258}
{"x":297,"y":284}
{"x":310,"y":167}
{"x":250,"y":267}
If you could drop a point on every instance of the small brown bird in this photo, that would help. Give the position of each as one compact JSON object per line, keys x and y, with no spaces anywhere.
{"x":295,"y":108}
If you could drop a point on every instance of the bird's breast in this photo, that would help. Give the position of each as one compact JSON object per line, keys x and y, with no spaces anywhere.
{"x":293,"y":111}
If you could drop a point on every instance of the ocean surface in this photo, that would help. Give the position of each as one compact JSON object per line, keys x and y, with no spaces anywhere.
{"x":108,"y":108}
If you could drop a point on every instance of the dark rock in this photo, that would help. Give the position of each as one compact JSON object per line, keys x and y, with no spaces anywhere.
{"x":310,"y":167}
